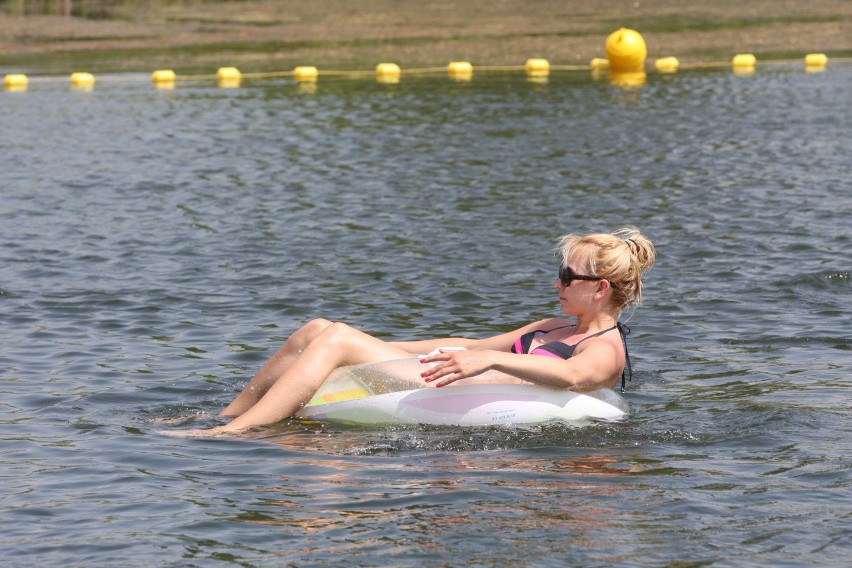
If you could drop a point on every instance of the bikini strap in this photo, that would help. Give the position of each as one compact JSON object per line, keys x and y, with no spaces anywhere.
{"x":595,"y":334}
{"x":624,"y":331}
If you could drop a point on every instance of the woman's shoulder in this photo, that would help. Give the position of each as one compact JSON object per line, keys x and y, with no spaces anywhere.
{"x":550,"y":324}
{"x":547,"y":324}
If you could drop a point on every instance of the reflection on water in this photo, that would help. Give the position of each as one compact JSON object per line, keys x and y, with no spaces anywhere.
{"x":158,"y":244}
{"x":521,"y":497}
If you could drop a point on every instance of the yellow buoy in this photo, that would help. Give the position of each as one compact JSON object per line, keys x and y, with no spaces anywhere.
{"x":228,"y":77}
{"x":667,"y":64}
{"x":816,"y":60}
{"x":537,"y":67}
{"x":82,"y":79}
{"x":163,"y":76}
{"x":228,"y":73}
{"x":15,"y":81}
{"x":460,"y":70}
{"x":626,"y":50}
{"x":163,"y":79}
{"x":306,"y":73}
{"x":388,"y":72}
{"x":743,"y":60}
{"x":598,"y":63}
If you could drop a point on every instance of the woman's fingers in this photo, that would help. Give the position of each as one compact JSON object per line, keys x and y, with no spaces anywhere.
{"x":453,"y":366}
{"x":439,"y":370}
{"x":434,"y":373}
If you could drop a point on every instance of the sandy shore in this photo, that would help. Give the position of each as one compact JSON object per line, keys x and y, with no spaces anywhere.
{"x":257,"y":35}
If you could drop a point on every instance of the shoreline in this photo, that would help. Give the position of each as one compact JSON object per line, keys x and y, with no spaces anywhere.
{"x":257,"y":35}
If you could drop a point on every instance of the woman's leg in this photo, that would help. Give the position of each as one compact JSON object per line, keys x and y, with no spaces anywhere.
{"x":275,"y":367}
{"x":337,"y":345}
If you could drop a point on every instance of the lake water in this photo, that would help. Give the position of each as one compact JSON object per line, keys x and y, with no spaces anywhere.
{"x":156,"y":246}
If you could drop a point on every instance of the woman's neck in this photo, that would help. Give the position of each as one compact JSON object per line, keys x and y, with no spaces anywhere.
{"x":593,"y":323}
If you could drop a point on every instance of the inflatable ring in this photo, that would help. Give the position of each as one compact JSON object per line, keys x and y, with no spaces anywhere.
{"x":389,"y":393}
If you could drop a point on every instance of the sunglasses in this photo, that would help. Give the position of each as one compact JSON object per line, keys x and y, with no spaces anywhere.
{"x":566,"y":276}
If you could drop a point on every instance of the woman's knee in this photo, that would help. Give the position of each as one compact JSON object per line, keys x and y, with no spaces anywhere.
{"x":338,"y":334}
{"x":303,"y":336}
{"x":315,"y":326}
{"x":334,"y":337}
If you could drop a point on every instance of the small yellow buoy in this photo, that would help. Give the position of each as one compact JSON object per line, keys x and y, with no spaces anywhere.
{"x":163,"y":76}
{"x":537,"y":67}
{"x":163,"y":79}
{"x":667,"y":64}
{"x":306,"y":73}
{"x":626,"y":50}
{"x":816,"y":60}
{"x":743,"y":60}
{"x":230,"y":73}
{"x":387,"y":72}
{"x":15,"y":81}
{"x":598,"y":63}
{"x":82,"y":79}
{"x":228,"y":77}
{"x":460,"y":70}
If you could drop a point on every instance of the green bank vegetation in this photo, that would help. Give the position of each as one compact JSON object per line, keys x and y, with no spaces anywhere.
{"x":258,"y":35}
{"x":90,"y":9}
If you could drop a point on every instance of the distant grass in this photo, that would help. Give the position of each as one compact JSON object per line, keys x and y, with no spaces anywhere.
{"x":364,"y":53}
{"x":255,"y":58}
{"x":33,"y":40}
{"x":689,"y":23}
{"x":222,"y":21}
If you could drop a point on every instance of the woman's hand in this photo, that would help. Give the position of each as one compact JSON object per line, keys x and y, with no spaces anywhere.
{"x":453,"y":365}
{"x":206,"y":433}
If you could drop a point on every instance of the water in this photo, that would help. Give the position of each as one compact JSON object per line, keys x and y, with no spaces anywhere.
{"x":158,"y":245}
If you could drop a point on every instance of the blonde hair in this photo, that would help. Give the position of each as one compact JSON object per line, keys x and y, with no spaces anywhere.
{"x":620,"y":257}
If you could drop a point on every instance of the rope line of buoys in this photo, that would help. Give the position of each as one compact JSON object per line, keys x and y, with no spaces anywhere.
{"x":626,"y":52}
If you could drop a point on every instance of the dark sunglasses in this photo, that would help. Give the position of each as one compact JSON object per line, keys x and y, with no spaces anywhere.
{"x":566,"y":276}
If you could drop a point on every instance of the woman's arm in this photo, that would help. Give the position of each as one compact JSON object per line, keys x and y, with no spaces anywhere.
{"x":598,"y":363}
{"x":501,"y":342}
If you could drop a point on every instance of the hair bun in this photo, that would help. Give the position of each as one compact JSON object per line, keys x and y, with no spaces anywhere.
{"x":640,"y":248}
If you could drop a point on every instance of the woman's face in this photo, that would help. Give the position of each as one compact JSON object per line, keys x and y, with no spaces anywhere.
{"x":576,"y":289}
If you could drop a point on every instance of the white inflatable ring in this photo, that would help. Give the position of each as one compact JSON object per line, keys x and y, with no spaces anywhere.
{"x":390,"y":393}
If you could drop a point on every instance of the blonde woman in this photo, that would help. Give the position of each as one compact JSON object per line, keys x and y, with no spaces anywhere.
{"x":599,"y":276}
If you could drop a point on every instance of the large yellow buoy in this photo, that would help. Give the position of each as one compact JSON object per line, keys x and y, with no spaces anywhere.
{"x":626,"y":50}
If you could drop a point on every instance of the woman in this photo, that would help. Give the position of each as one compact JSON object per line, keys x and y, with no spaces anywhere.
{"x":600,"y":275}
